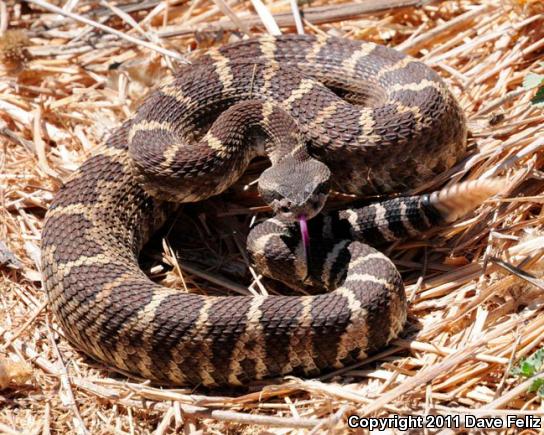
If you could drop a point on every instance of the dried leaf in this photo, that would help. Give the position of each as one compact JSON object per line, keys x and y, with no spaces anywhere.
{"x":13,"y":373}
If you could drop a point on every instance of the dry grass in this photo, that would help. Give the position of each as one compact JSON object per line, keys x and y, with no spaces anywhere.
{"x":475,"y":288}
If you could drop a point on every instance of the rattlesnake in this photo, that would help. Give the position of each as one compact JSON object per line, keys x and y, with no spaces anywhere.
{"x":329,"y":113}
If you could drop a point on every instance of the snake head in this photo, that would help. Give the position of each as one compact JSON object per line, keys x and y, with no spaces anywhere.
{"x":295,"y":188}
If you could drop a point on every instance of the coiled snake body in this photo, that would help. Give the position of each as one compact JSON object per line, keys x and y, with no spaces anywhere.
{"x":380,"y":121}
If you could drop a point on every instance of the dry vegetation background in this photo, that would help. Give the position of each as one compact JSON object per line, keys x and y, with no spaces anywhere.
{"x":475,"y":288}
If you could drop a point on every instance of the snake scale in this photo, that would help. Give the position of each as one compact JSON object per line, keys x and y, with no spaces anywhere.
{"x":330,"y":113}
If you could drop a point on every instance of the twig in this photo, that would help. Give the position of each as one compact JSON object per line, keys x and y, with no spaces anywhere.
{"x":513,"y":393}
{"x":315,"y":15}
{"x":67,"y":398}
{"x":25,"y":325}
{"x":296,"y":17}
{"x":445,"y":27}
{"x":216,"y":279}
{"x":7,"y":430}
{"x":518,"y":272}
{"x":266,"y":17}
{"x":235,"y":20}
{"x":107,"y":29}
{"x":428,"y":374}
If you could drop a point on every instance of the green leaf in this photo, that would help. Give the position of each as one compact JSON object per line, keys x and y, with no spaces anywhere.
{"x":533,"y":80}
{"x":528,"y":369}
{"x":538,"y":358}
{"x":538,"y":99}
{"x":537,"y":385}
{"x":522,"y":369}
{"x":530,"y":366}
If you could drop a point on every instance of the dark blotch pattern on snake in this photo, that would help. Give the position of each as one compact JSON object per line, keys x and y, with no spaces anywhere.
{"x":329,"y":113}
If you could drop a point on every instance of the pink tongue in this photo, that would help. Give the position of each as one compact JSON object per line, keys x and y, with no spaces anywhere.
{"x":305,"y":236}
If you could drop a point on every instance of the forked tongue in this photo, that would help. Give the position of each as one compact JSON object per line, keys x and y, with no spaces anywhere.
{"x":305,"y":237}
